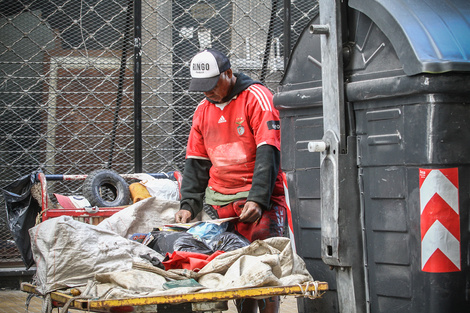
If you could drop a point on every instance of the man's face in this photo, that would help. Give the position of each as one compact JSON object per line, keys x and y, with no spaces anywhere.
{"x":221,"y":90}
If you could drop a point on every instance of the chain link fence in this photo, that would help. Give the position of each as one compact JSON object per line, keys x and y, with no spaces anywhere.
{"x":89,"y":84}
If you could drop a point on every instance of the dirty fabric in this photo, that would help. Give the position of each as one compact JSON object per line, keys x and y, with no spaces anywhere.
{"x":133,"y":280}
{"x":69,"y":253}
{"x":269,"y":262}
{"x":143,"y":216}
{"x":264,"y":263}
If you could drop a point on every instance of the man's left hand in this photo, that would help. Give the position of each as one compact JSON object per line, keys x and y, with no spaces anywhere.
{"x":251,"y":212}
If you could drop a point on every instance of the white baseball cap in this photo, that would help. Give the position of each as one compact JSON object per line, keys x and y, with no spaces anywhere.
{"x":206,"y":67}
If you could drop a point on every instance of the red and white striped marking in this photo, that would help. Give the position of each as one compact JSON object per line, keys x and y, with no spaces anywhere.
{"x":440,"y":220}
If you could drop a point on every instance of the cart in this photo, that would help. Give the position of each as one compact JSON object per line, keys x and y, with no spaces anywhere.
{"x":179,"y":303}
{"x":193,"y":302}
{"x":82,"y":214}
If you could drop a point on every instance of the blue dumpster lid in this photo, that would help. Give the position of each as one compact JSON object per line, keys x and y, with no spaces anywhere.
{"x":429,"y":36}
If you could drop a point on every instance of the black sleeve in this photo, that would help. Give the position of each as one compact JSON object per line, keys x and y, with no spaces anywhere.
{"x":267,"y":164}
{"x":193,"y":186}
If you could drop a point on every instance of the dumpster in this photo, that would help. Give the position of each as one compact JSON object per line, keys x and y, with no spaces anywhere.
{"x":373,"y":105}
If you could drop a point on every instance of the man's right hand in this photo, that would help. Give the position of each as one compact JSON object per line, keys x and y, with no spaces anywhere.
{"x":183,"y":216}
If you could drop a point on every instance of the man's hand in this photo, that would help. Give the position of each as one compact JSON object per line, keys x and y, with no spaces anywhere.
{"x":251,"y":212}
{"x":183,"y":216}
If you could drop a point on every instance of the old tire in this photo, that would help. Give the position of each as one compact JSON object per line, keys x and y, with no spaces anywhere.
{"x":106,"y":188}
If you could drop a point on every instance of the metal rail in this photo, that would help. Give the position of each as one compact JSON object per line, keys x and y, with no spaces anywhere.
{"x":310,"y":289}
{"x":60,"y":177}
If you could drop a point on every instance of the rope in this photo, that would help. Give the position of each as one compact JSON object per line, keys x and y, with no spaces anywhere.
{"x":47,"y":304}
{"x":28,"y":300}
{"x":156,"y":270}
{"x":311,"y":294}
{"x":84,"y":295}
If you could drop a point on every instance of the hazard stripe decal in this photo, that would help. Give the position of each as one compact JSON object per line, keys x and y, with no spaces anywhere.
{"x":440,"y":220}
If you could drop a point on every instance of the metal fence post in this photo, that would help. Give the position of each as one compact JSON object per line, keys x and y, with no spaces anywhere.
{"x":137,"y":86}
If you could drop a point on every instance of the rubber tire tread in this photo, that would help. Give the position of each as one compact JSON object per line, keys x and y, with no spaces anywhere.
{"x":96,"y":179}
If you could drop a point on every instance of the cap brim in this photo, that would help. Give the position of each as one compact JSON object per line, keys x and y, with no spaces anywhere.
{"x":203,"y":84}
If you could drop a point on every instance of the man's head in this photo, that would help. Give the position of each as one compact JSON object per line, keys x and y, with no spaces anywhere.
{"x":211,"y":74}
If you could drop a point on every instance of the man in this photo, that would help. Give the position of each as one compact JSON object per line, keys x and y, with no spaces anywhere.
{"x":233,"y":156}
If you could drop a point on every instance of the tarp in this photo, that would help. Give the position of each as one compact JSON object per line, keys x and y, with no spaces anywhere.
{"x":68,"y":253}
{"x":269,"y":262}
{"x":141,"y":217}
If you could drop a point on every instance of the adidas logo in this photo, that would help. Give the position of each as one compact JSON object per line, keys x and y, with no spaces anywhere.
{"x":222,"y":119}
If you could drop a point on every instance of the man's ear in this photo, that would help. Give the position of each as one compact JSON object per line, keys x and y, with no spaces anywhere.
{"x":229,"y":73}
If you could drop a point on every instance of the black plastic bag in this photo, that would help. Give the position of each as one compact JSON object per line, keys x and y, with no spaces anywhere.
{"x":228,"y":241}
{"x":169,"y":241}
{"x":192,"y":244}
{"x":22,"y":210}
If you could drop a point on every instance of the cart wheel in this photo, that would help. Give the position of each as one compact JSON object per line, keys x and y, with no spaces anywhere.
{"x":106,"y":188}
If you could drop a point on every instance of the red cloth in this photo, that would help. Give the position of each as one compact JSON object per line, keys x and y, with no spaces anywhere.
{"x":188,"y":260}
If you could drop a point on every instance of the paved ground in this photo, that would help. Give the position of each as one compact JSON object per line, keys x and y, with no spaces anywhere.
{"x":13,"y":301}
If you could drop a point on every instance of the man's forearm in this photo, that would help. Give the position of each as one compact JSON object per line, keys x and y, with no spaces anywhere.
{"x":267,"y":164}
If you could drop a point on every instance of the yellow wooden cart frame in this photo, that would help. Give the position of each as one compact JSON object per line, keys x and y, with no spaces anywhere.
{"x":194,"y":300}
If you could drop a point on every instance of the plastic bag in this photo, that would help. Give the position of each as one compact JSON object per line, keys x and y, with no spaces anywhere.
{"x":192,"y":244}
{"x":163,"y":241}
{"x":206,"y":231}
{"x":228,"y":241}
{"x":162,"y":188}
{"x":22,"y":210}
{"x":169,"y":241}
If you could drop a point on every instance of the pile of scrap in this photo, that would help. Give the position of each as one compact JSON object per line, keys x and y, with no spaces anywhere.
{"x":102,"y":262}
